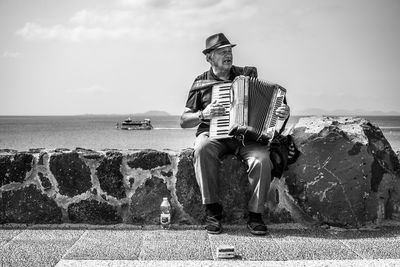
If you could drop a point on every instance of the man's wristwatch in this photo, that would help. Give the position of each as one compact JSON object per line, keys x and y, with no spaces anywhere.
{"x":200,"y":115}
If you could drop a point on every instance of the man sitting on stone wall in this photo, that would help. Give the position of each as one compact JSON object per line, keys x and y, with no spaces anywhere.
{"x":208,"y":151}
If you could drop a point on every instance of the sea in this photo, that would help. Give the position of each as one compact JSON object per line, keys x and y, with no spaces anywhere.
{"x":99,"y":132}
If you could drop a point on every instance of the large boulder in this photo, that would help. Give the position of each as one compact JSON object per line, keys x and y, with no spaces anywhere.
{"x":347,"y":175}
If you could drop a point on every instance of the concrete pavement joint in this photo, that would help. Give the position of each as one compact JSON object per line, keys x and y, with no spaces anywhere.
{"x":279,"y":246}
{"x":140,"y":256}
{"x":9,"y":241}
{"x":347,"y":246}
{"x":213,"y":253}
{"x":70,"y":248}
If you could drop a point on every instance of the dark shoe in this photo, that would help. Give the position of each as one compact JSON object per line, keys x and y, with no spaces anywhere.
{"x":214,"y":216}
{"x":257,"y":228}
{"x":256,"y":225}
{"x":213,"y":225}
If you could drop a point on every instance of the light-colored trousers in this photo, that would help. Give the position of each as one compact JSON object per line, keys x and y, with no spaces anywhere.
{"x":207,"y":161}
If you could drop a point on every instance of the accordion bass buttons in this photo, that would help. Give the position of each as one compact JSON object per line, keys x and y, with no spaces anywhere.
{"x":250,"y":103}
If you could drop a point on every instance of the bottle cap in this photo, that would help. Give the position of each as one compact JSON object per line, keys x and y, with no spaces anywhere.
{"x":165,"y":198}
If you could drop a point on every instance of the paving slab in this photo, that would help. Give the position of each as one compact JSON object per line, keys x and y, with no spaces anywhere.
{"x":7,"y":234}
{"x":107,"y":244}
{"x":347,"y":263}
{"x":175,"y":245}
{"x":247,"y":246}
{"x":311,"y":244}
{"x":38,"y":247}
{"x":286,"y":245}
{"x":372,"y":244}
{"x":303,"y":263}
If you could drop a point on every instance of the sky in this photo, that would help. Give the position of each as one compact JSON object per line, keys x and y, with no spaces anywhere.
{"x":76,"y":57}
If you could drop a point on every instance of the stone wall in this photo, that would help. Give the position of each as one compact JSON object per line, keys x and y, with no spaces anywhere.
{"x":347,"y":175}
{"x":108,"y":187}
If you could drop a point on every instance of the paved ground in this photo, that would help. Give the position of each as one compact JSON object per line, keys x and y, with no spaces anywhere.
{"x":124,"y":245}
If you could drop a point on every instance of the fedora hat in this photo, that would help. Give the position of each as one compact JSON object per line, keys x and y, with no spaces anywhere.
{"x":216,"y":41}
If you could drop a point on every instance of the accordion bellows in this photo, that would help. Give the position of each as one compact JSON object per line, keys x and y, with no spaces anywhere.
{"x":250,"y":104}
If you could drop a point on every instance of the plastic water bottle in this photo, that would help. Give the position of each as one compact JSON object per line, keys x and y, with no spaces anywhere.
{"x":165,"y":217}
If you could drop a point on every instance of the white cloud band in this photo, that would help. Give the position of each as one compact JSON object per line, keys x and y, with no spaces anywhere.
{"x":143,"y":20}
{"x":9,"y":54}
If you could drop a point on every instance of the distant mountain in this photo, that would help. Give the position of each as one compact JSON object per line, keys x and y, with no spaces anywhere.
{"x":346,"y":112}
{"x":311,"y":111}
{"x":153,"y":113}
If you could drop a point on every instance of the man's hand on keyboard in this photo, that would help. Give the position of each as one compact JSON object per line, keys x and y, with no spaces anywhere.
{"x":214,"y":109}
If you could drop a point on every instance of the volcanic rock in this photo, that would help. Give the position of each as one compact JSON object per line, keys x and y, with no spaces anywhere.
{"x":338,"y":178}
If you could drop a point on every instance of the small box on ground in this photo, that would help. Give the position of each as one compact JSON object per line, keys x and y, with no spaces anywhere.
{"x":225,"y":252}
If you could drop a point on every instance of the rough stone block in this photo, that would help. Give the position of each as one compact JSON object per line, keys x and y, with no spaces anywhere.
{"x":187,"y":190}
{"x":148,"y":159}
{"x":71,"y":173}
{"x":145,"y":206}
{"x":28,"y":205}
{"x":88,"y":153}
{"x":234,"y":191}
{"x":283,"y":216}
{"x":233,"y":194}
{"x":13,"y":168}
{"x":110,"y":176}
{"x":44,"y":180}
{"x":93,"y":212}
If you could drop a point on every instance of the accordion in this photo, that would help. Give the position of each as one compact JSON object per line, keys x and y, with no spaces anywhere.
{"x":250,"y":106}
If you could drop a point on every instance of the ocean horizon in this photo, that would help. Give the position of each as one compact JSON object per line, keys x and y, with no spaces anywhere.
{"x":98,"y":132}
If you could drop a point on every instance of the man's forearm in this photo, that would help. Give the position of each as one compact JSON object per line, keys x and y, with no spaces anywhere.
{"x":190,"y":119}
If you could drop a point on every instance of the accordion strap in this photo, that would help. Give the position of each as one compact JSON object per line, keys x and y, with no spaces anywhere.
{"x":285,"y":122}
{"x":203,"y":84}
{"x":283,"y":126}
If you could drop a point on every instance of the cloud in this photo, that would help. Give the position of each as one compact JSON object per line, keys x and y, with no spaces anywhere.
{"x":155,"y":20}
{"x":115,"y":18}
{"x":10,"y":54}
{"x":32,"y":31}
{"x":175,"y":4}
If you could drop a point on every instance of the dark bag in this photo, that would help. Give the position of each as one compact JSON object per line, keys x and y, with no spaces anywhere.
{"x":283,"y":152}
{"x":247,"y":133}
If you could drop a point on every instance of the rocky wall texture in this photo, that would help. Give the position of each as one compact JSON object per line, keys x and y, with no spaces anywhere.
{"x":347,"y":175}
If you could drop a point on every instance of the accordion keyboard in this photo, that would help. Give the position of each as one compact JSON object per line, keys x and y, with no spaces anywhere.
{"x":219,"y":127}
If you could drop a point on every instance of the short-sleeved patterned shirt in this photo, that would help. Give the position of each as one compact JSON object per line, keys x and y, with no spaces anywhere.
{"x":200,"y":93}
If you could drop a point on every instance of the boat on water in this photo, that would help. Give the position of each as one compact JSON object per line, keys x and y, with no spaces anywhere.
{"x":130,"y":124}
